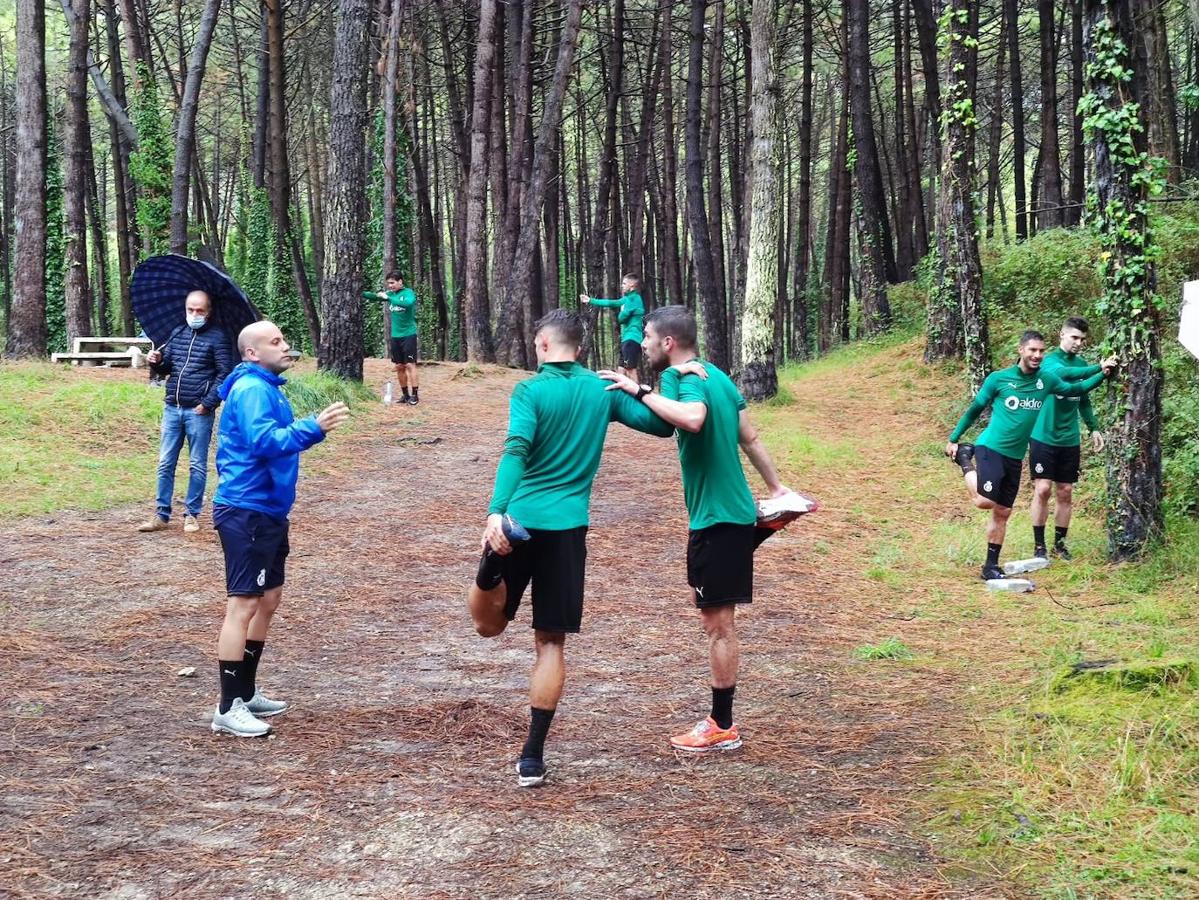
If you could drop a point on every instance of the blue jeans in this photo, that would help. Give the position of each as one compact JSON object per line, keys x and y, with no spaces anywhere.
{"x":177,"y":423}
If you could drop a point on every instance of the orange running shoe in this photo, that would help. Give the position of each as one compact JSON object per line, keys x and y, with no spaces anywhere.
{"x":707,"y":735}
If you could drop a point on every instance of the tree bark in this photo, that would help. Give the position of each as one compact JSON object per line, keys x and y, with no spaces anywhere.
{"x":701,"y":254}
{"x":185,"y":128}
{"x":390,"y":88}
{"x":995,"y":132}
{"x":1050,"y":212}
{"x":1078,"y":149}
{"x":759,"y":378}
{"x":671,"y":255}
{"x":803,"y":249}
{"x":874,"y":238}
{"x":1012,"y":15}
{"x":959,"y":270}
{"x":77,"y":298}
{"x":341,"y":349}
{"x":519,"y":345}
{"x":478,"y":322}
{"x":27,"y":317}
{"x":1134,"y":473}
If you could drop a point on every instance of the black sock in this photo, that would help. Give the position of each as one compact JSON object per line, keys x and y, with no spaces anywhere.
{"x":1038,"y":536}
{"x":1059,"y":535}
{"x":491,"y":571}
{"x":231,"y":675}
{"x":722,"y":706}
{"x":405,"y":390}
{"x":539,"y":727}
{"x":249,"y":670}
{"x":993,"y":554}
{"x":416,"y":393}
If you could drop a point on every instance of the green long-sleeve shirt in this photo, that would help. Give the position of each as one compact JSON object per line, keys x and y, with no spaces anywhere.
{"x":402,"y":306}
{"x":631,"y":316}
{"x":557,"y":423}
{"x":1058,"y":423}
{"x":714,"y":486}
{"x":1016,"y":399}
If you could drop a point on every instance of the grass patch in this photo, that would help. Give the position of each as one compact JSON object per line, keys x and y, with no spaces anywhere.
{"x":86,"y":439}
{"x":891,"y":648}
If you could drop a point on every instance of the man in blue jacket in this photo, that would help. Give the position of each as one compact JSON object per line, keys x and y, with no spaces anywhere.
{"x":257,"y":463}
{"x":195,"y":359}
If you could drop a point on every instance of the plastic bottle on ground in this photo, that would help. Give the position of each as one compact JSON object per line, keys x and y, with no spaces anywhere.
{"x":1020,"y":566}
{"x":388,"y":396}
{"x":1014,"y":585}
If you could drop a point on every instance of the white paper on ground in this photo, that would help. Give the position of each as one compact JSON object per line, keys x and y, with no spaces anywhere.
{"x":1188,"y":322}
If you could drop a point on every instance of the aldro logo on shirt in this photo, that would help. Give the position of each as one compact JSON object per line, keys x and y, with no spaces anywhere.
{"x":1015,"y":403}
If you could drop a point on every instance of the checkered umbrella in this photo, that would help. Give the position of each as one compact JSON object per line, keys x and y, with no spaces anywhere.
{"x":161,"y":284}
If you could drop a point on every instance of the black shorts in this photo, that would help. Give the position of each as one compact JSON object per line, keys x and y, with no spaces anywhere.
{"x":256,"y":549}
{"x":555,"y":561}
{"x":405,"y":349}
{"x":630,"y":354}
{"x":998,"y":476}
{"x":720,"y":563}
{"x":1060,"y":464}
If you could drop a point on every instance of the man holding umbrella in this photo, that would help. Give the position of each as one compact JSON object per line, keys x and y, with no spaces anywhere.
{"x":195,"y":360}
{"x":193,"y":312}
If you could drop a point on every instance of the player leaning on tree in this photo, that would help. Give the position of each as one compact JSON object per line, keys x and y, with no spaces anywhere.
{"x":1054,"y":449}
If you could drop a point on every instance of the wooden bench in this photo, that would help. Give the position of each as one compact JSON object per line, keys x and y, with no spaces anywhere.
{"x":132,"y":357}
{"x":107,"y":344}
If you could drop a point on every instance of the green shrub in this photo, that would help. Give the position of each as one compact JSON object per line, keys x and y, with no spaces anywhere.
{"x":312,"y":391}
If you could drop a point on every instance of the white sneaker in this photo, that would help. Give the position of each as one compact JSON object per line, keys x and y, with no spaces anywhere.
{"x":264,"y":707}
{"x":190,"y":525}
{"x":239,"y":721}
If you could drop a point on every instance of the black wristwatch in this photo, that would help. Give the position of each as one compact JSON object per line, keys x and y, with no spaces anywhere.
{"x":642,"y":390}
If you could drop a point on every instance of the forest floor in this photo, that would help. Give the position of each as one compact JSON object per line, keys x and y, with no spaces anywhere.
{"x":392,"y":774}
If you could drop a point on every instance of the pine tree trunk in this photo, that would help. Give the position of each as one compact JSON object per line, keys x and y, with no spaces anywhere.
{"x":803,"y":250}
{"x":874,"y":237}
{"x":478,"y":312}
{"x":714,"y":331}
{"x":759,"y":379}
{"x":520,"y":282}
{"x":995,"y":133}
{"x":959,"y":270}
{"x":27,"y":316}
{"x":672,"y":255}
{"x":76,"y":137}
{"x":389,"y":88}
{"x":1134,"y":462}
{"x":341,"y":350}
{"x":1078,"y":149}
{"x":1012,"y":16}
{"x":185,"y":129}
{"x":1051,"y":164}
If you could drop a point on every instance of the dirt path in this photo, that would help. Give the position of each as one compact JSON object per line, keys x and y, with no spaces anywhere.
{"x":392,"y":774}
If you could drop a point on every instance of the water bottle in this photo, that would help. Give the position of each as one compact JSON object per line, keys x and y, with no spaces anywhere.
{"x":1021,"y":566}
{"x":387,"y":394}
{"x":1015,"y":585}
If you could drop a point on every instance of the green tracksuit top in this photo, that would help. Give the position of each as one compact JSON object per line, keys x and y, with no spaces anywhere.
{"x":557,"y":423}
{"x":1016,"y":400}
{"x":402,"y":306}
{"x":631,"y":316}
{"x":714,"y":485}
{"x":1058,"y":423}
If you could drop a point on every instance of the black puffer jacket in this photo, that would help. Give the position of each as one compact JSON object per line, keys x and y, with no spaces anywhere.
{"x":196,"y":362}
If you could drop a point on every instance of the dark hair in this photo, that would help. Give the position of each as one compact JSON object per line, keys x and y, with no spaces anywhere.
{"x":1031,"y":335}
{"x":567,"y":325}
{"x":636,"y":279}
{"x":677,"y":322}
{"x":1077,"y":322}
{"x":395,"y":275}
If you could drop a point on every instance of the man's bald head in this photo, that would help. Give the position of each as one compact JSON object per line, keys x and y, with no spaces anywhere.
{"x":263,"y":343}
{"x":198,"y":303}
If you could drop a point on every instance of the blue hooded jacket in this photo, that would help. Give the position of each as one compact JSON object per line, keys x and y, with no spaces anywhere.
{"x":259,"y":445}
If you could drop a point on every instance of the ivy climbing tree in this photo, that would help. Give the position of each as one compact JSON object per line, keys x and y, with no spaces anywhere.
{"x":957,"y":321}
{"x":1117,"y":206}
{"x":151,"y":166}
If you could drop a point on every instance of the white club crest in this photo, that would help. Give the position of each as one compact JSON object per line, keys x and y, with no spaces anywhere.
{"x":262,"y":578}
{"x":987,"y":486}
